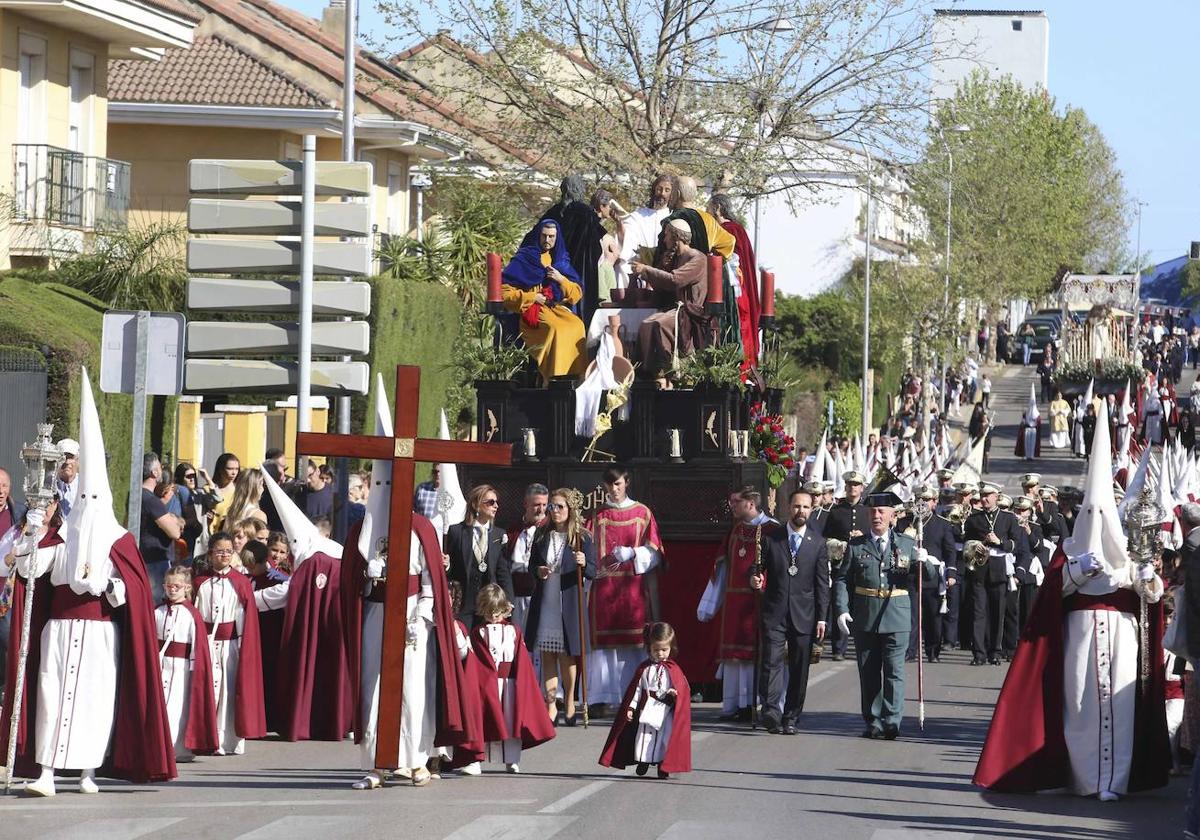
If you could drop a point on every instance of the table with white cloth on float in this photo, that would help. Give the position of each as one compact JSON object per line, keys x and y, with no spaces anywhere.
{"x":631,"y":320}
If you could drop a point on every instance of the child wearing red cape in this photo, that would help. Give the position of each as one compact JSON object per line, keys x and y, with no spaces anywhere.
{"x":510,"y":699}
{"x":654,"y":723}
{"x":186,"y":668}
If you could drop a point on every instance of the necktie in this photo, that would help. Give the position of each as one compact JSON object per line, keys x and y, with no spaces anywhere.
{"x":881,"y":544}
{"x":480,"y":545}
{"x":795,"y":543}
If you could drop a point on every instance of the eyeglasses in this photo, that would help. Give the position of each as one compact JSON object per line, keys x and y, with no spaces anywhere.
{"x":191,"y":476}
{"x":222,"y":552}
{"x":490,"y":502}
{"x":173,"y":587}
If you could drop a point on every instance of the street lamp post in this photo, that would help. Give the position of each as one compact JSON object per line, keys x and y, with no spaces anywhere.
{"x":866,"y":337}
{"x":772,"y":26}
{"x":957,"y":129}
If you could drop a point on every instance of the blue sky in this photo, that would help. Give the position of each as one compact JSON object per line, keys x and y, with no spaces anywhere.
{"x":1129,"y":66}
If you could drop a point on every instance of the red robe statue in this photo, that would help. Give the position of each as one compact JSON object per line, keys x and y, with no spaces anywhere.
{"x":619,"y":748}
{"x":1026,"y":750}
{"x":140,"y":749}
{"x":313,"y":692}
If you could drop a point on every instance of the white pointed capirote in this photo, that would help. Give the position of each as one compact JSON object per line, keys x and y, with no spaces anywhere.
{"x":373,"y":535}
{"x":450,"y":492}
{"x":1031,"y":410}
{"x":839,"y":469}
{"x":1097,"y":524}
{"x":304,"y":540}
{"x":92,"y":527}
{"x":818,"y":468}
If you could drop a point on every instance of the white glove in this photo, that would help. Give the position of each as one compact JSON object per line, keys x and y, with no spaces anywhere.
{"x":376,"y":568}
{"x":1089,"y":563}
{"x":1145,"y":572}
{"x":35,"y":519}
{"x":843,"y":622}
{"x":623,"y":553}
{"x":922,"y":555}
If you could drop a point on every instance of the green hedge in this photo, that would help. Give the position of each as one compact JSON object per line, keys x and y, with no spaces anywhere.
{"x":411,"y":324}
{"x":67,"y":323}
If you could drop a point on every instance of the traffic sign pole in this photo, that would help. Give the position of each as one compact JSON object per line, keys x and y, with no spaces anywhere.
{"x":307,"y":220}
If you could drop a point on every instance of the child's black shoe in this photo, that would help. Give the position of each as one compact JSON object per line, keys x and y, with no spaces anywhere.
{"x":642,"y":769}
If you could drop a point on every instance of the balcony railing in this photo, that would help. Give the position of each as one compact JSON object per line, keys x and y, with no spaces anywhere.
{"x":69,"y":189}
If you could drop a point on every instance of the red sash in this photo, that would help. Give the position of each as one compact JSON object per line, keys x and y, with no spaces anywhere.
{"x":66,"y":603}
{"x":1123,"y":600}
{"x":223,"y":632}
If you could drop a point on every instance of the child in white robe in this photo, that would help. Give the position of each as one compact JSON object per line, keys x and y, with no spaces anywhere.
{"x":178,"y":639}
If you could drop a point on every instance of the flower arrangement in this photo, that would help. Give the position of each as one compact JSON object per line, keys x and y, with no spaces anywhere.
{"x":1108,"y":370}
{"x":771,"y":444}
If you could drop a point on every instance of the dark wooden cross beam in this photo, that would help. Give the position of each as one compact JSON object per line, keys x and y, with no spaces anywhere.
{"x":404,"y":450}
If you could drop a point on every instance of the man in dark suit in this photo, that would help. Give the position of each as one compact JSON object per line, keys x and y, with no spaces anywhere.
{"x":475,"y":551}
{"x":937,"y":538}
{"x":794,"y":578}
{"x":998,"y":531}
{"x":847,"y":520}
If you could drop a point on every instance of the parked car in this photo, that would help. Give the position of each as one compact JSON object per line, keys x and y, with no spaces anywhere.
{"x":1044,"y":332}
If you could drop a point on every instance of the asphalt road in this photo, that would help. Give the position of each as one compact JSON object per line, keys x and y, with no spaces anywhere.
{"x":824,"y":783}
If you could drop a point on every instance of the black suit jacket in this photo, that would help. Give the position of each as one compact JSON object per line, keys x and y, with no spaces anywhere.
{"x":16,"y":509}
{"x":1012,"y":539}
{"x":1032,"y":548}
{"x":798,"y":601}
{"x":818,"y":520}
{"x":938,"y":540}
{"x":465,"y":570}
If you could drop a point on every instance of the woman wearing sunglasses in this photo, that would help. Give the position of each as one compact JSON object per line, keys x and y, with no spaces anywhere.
{"x":563,"y":554}
{"x":474,"y":551}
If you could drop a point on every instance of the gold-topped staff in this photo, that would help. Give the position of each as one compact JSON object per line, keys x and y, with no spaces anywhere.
{"x":42,"y":460}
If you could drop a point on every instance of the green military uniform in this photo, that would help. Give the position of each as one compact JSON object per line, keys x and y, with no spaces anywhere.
{"x":872,"y":586}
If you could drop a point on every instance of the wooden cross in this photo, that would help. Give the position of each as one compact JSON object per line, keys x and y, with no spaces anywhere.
{"x":405,"y":449}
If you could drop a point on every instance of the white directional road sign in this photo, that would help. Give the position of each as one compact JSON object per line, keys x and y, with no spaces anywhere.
{"x":330,"y":297}
{"x":329,"y":338}
{"x":265,"y":256}
{"x":276,"y":218}
{"x":253,"y":376}
{"x":276,"y":177}
{"x":164,"y":353}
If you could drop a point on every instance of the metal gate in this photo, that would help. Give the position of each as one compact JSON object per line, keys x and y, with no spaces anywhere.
{"x":22,"y":407}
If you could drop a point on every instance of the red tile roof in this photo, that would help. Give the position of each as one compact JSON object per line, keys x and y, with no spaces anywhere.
{"x":211,"y":72}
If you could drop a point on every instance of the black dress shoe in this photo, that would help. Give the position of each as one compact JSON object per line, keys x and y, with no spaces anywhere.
{"x":870,"y":732}
{"x":890,"y":733}
{"x":573,"y":720}
{"x":978,"y":660}
{"x":773,"y":727}
{"x":995,"y":660}
{"x":641,"y":769}
{"x":789,"y":729}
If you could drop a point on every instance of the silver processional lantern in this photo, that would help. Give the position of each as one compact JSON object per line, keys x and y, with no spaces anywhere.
{"x":1143,"y":528}
{"x":42,"y":460}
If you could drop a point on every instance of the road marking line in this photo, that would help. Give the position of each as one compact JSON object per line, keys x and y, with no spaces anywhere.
{"x":510,"y":827}
{"x":575,"y":797}
{"x":824,"y":675}
{"x":112,"y":829}
{"x":42,"y":805}
{"x":705,"y":830}
{"x":918,"y":834}
{"x":290,"y":828}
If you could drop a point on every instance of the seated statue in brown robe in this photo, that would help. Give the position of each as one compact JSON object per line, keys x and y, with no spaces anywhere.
{"x":680,"y":277}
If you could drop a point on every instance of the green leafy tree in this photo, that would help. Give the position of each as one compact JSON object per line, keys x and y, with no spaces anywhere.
{"x":1035,"y":188}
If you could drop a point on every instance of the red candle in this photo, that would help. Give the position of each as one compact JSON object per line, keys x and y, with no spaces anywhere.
{"x":493,"y":278}
{"x":716,"y":280}
{"x":767,"y":301}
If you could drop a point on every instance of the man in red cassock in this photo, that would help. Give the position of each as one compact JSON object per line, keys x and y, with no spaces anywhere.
{"x":92,"y":638}
{"x":624,"y":594}
{"x":736,"y":605}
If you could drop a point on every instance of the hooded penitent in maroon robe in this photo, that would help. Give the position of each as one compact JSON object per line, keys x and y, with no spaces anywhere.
{"x":619,"y":748}
{"x":249,"y":713}
{"x":1026,"y":749}
{"x":140,"y":749}
{"x":1037,"y":449}
{"x":749,"y":306}
{"x":313,"y":682}
{"x":455,"y":721}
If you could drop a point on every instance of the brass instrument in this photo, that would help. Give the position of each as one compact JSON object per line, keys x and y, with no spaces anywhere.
{"x":957,"y":514}
{"x":975,"y":553}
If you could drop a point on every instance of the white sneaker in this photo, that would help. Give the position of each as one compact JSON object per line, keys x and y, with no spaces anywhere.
{"x":513,"y":768}
{"x":371,"y":781}
{"x":1108,"y":796}
{"x":40,"y":787}
{"x":472,"y":769}
{"x":88,"y":785}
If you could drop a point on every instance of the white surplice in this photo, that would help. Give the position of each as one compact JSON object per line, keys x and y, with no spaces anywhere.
{"x":502,"y":644}
{"x":418,"y":715}
{"x":522,"y":549}
{"x":77,"y":676}
{"x":174,"y":623}
{"x":1100,"y":670}
{"x":218,"y":602}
